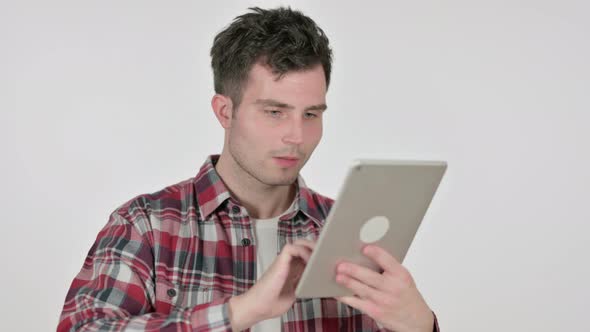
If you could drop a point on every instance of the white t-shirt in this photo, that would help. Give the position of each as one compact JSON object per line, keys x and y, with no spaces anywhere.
{"x":266,"y":233}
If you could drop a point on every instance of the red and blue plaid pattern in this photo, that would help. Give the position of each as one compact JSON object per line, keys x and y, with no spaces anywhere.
{"x":170,"y":261}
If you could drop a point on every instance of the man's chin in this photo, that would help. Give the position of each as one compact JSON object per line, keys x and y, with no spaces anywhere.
{"x":284,"y":181}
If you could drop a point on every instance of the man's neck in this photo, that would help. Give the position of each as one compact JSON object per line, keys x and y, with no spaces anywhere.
{"x":261,"y":200}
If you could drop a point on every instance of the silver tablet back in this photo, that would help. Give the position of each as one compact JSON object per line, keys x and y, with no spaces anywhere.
{"x":381,"y":202}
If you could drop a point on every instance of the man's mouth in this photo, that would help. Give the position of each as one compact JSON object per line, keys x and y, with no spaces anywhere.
{"x":286,"y":161}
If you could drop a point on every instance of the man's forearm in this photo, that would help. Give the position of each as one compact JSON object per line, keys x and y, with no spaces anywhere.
{"x":241,"y":314}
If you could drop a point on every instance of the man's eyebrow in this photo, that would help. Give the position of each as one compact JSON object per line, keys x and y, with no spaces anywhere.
{"x":272,"y":102}
{"x":320,"y":107}
{"x":276,"y":103}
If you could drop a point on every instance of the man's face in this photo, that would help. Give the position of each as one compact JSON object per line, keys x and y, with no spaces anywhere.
{"x":278,"y":123}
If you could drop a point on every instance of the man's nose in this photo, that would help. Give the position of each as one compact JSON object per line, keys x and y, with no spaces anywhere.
{"x":294,"y":134}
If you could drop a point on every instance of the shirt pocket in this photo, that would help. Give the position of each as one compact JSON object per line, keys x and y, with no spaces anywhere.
{"x":192,"y":295}
{"x":185,"y":295}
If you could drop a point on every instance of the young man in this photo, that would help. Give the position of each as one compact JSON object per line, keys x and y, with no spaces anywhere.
{"x":224,"y":250}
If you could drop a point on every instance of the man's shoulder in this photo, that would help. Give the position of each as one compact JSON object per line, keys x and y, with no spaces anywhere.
{"x":173,"y":199}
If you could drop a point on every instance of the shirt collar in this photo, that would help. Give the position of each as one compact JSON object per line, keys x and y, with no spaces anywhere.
{"x":211,"y":193}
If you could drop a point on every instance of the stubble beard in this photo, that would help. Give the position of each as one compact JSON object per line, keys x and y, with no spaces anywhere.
{"x":257,"y":171}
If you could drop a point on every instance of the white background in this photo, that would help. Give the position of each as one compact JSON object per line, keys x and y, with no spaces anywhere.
{"x":105,"y":100}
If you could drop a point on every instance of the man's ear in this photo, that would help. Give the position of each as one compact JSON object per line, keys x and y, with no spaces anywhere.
{"x":223,"y":108}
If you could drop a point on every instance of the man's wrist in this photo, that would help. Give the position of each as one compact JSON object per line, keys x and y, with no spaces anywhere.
{"x":240,"y":314}
{"x":431,"y":325}
{"x":435,"y":324}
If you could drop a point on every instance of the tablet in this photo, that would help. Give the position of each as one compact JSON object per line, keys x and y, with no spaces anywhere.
{"x":381,"y":202}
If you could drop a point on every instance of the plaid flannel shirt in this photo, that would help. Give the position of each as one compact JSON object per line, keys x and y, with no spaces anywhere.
{"x":170,"y":261}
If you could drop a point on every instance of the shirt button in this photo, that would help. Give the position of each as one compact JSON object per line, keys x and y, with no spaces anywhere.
{"x":171,"y":292}
{"x":236,"y":209}
{"x":246,"y":242}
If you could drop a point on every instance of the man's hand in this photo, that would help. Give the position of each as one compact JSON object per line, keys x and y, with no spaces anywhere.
{"x":274,"y":293}
{"x":391,"y":298}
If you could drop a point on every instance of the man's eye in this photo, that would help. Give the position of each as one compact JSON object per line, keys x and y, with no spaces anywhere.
{"x":311,"y":115}
{"x":274,"y":113}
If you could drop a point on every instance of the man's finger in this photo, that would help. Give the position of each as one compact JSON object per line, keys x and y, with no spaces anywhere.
{"x":380,"y":256}
{"x":358,"y":288}
{"x":292,"y":250}
{"x":362,"y":274}
{"x":304,"y":242}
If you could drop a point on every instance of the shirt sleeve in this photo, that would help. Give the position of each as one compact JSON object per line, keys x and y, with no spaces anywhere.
{"x":115,"y":289}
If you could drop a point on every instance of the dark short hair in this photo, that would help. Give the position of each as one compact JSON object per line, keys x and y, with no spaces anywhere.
{"x":282,"y":38}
